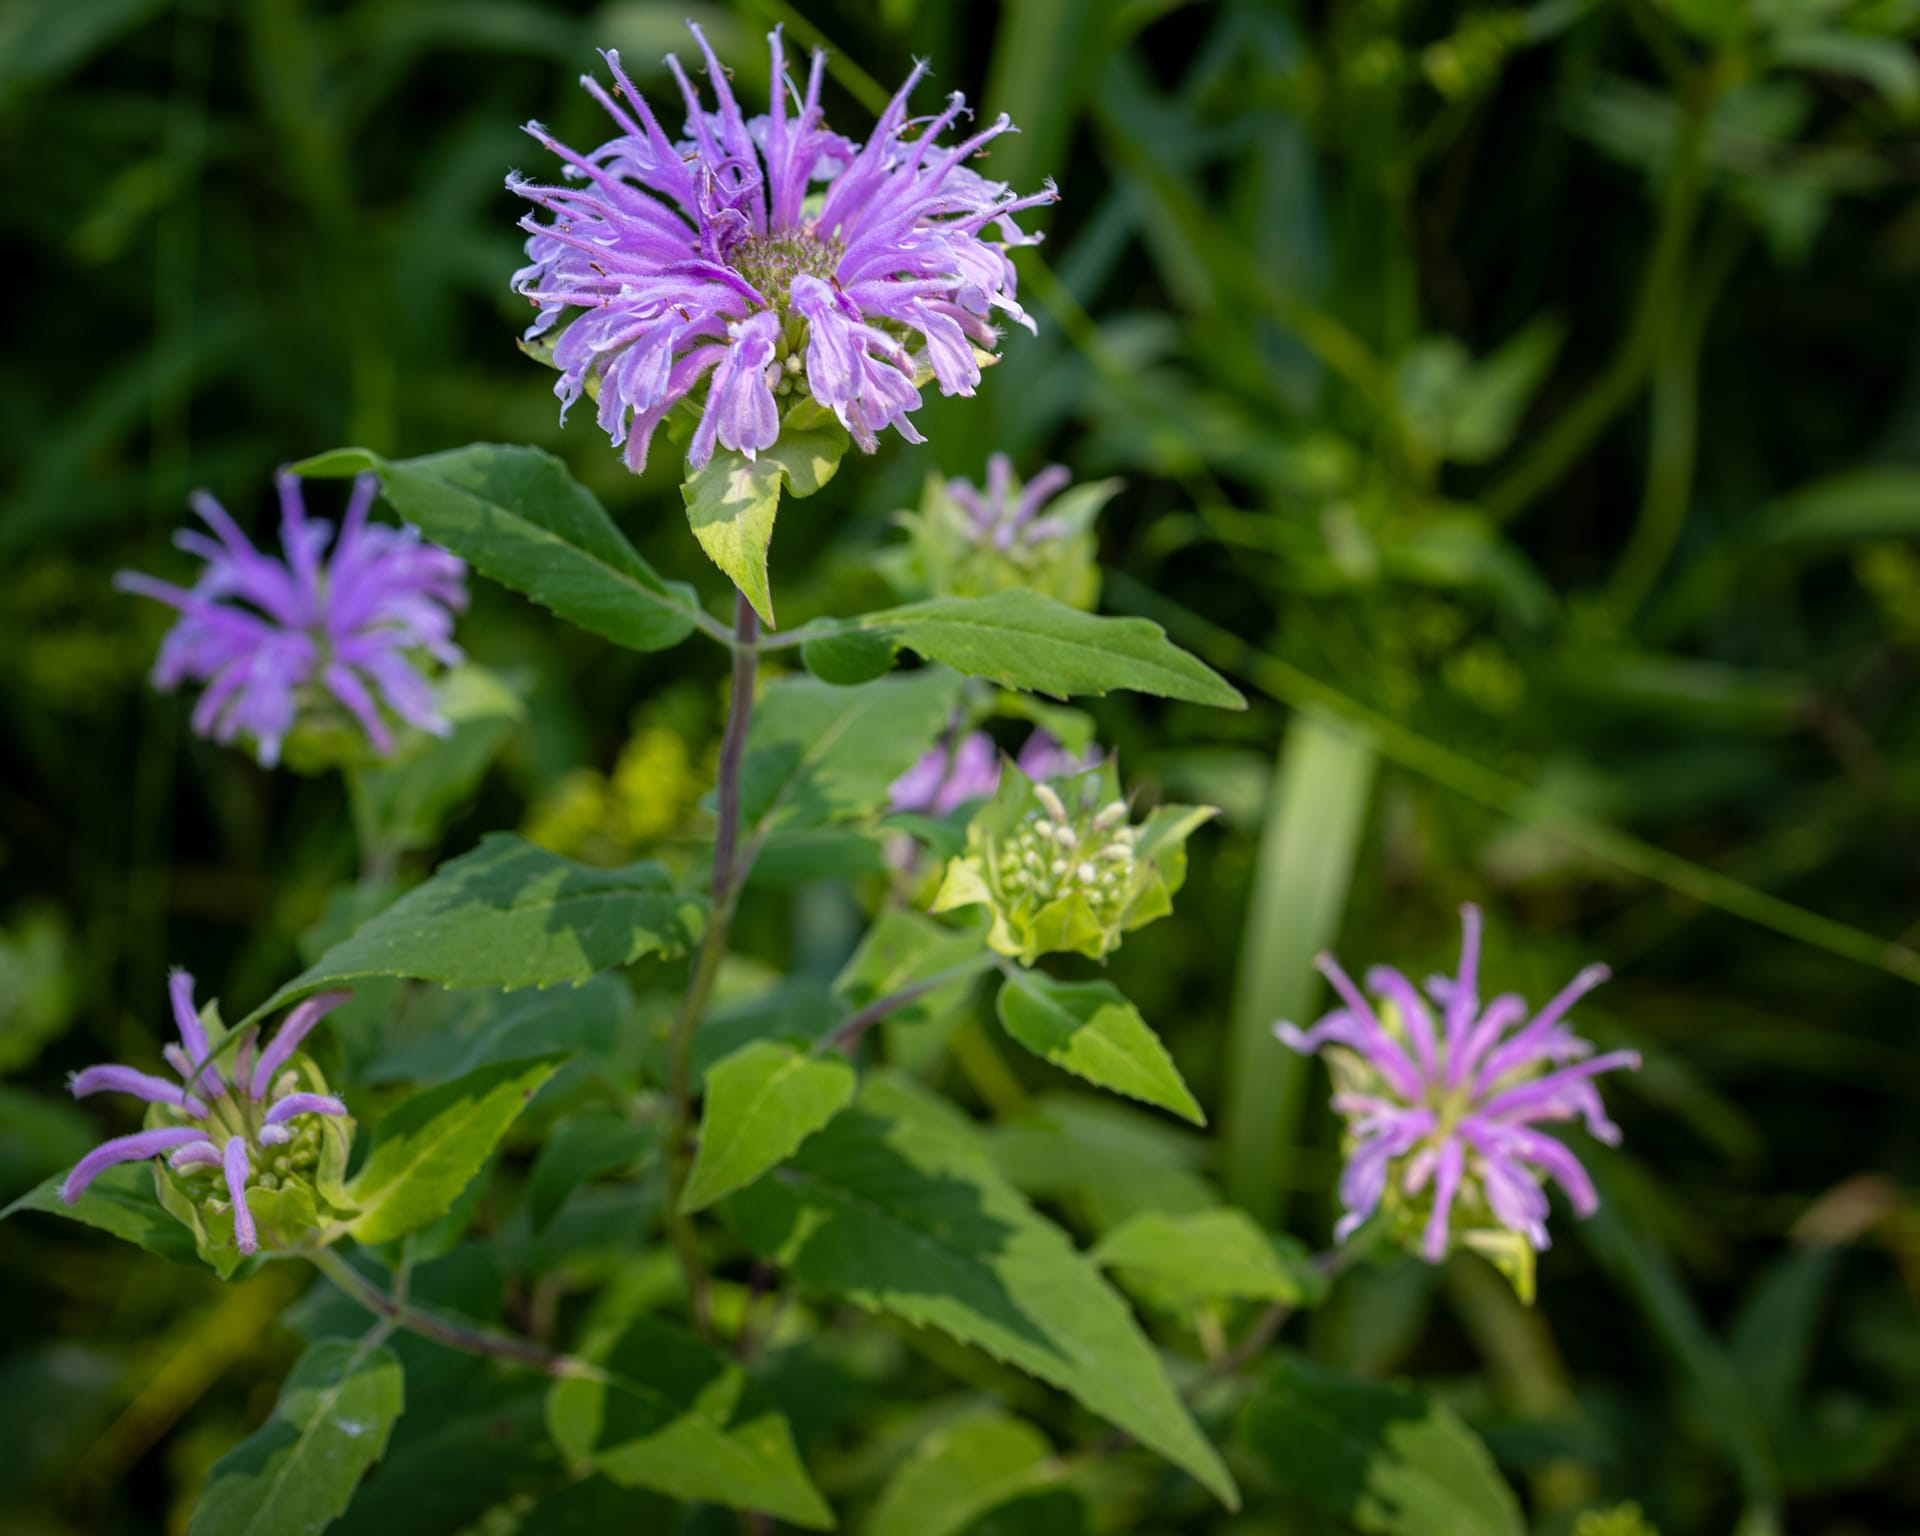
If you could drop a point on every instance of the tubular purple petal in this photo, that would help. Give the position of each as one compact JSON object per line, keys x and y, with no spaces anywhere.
{"x":186,"y":1018}
{"x":293,"y":1029}
{"x":124,"y":1149}
{"x":140,"y":1085}
{"x":304,"y":1104}
{"x":237,"y":1163}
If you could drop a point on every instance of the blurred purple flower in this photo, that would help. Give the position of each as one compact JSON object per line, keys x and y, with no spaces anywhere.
{"x":268,"y":637}
{"x":1454,"y":1110}
{"x":949,"y":775}
{"x":225,"y":1122}
{"x":771,"y":254}
{"x":1003,"y":519}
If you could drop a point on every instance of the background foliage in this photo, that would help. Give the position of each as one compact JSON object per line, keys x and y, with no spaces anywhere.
{"x":1518,"y":402}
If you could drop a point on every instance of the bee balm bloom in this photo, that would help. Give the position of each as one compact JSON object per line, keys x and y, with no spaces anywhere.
{"x":232,"y":1120}
{"x":272,"y":639}
{"x":770,"y":259}
{"x":1442,"y":1120}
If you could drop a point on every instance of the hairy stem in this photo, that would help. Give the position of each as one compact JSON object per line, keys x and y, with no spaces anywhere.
{"x":729,"y":873}
{"x":473,"y":1341}
{"x":846,"y":1036}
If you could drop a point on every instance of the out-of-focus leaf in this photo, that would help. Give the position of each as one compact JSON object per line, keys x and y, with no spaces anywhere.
{"x":121,"y":1201}
{"x":1882,"y":502}
{"x":515,"y":514}
{"x":1387,"y":1459}
{"x":817,"y":753}
{"x":425,"y":1151}
{"x":581,"y":1148}
{"x":1091,"y":1030}
{"x":41,"y":40}
{"x":509,"y":914}
{"x":441,"y":1480}
{"x":1777,"y":1327}
{"x":903,"y":949}
{"x":894,"y":1207}
{"x":409,"y":798}
{"x":761,"y":1103}
{"x":294,"y":1475}
{"x":670,"y":1413}
{"x":960,"y":1472}
{"x":1111,"y":1159}
{"x":1885,"y":63}
{"x":461,"y":1031}
{"x":1206,"y":1256}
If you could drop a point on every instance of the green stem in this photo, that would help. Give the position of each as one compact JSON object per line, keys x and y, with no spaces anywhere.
{"x":400,"y":1313}
{"x":729,"y":873}
{"x":378,"y":858}
{"x":846,"y":1036}
{"x":1674,"y":445}
{"x":1557,"y":449}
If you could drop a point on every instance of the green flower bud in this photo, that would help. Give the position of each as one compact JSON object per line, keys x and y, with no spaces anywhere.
{"x":1062,"y":868}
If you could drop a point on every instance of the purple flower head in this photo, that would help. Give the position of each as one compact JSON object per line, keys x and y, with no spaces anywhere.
{"x":768,"y":258}
{"x":1002,"y":515}
{"x":229,"y":1118}
{"x":1443,"y":1115}
{"x":272,"y":638}
{"x":949,"y":775}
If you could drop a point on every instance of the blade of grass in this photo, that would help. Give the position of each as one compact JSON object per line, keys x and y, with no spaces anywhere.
{"x":1316,"y":812}
{"x":1509,"y":797}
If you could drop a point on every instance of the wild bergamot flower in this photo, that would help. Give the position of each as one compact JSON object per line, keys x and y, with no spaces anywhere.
{"x":278,"y":641}
{"x":972,"y":541}
{"x":249,"y":1120}
{"x":1441,"y":1123}
{"x":771,"y":259}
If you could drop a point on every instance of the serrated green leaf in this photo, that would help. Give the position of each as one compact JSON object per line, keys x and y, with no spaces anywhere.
{"x":895,"y":1207}
{"x":1387,"y":1459}
{"x":425,"y":1151}
{"x":732,"y":500}
{"x":515,"y":514}
{"x":121,"y":1201}
{"x":1090,"y":1029}
{"x":762,"y":1102}
{"x":1020,"y":639}
{"x":1217,"y":1255}
{"x":817,"y":753}
{"x":582,"y":1147}
{"x":294,"y":1475}
{"x":959,"y":1473}
{"x":672,"y":1414}
{"x":509,"y":914}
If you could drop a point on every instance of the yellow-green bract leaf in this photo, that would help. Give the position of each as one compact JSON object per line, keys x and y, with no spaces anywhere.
{"x":1020,"y":639}
{"x":959,"y":1473}
{"x":670,"y":1413}
{"x":425,"y":1151}
{"x":732,"y":500}
{"x":1200,"y":1256}
{"x":817,"y":753}
{"x":1388,"y":1460}
{"x":516,"y":515}
{"x":1090,"y":1029}
{"x":895,"y":1207}
{"x":509,"y":914}
{"x":762,"y":1102}
{"x":294,"y":1475}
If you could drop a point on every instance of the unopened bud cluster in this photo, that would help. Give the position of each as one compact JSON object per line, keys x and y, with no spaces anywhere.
{"x":1060,"y":852}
